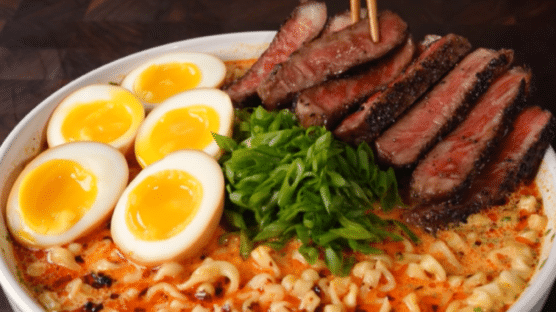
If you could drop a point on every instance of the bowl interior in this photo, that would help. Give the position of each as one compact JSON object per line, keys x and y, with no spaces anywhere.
{"x":28,"y":138}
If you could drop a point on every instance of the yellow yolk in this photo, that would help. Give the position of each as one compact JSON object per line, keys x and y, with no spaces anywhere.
{"x":163,"y":204}
{"x":102,"y":120}
{"x":183,"y":128}
{"x":160,"y":81}
{"x":56,"y":195}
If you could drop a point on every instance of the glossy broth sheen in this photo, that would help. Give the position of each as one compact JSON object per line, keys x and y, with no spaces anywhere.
{"x":483,"y":264}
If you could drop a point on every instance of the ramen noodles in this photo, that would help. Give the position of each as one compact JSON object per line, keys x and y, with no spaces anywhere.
{"x":485,"y":264}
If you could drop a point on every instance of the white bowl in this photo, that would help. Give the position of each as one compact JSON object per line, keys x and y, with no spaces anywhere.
{"x":28,"y":138}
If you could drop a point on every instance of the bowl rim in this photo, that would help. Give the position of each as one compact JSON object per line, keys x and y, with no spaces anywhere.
{"x":535,"y":293}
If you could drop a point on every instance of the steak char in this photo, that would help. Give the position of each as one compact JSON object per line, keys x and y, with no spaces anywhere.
{"x":441,"y":109}
{"x":515,"y":162}
{"x":304,"y":24}
{"x":329,"y":56}
{"x":329,"y":102}
{"x":453,"y":163}
{"x":382,"y":109}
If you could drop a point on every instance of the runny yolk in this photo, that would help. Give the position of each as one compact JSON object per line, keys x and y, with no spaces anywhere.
{"x":56,"y":195}
{"x":189,"y":127}
{"x":101,"y":120}
{"x":163,"y":204}
{"x":161,"y":81}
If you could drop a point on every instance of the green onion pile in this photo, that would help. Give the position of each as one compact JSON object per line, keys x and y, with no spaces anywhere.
{"x":286,"y":181}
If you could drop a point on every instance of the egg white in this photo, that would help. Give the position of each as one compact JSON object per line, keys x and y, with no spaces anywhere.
{"x":214,"y":98}
{"x":108,"y":165}
{"x":89,"y":94}
{"x":197,"y":233}
{"x":213,"y":70}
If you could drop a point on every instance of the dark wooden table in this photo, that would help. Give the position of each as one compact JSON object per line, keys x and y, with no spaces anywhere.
{"x":44,"y":44}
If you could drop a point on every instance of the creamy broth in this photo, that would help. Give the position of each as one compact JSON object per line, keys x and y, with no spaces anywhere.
{"x":452,"y":271}
{"x":482,"y":265}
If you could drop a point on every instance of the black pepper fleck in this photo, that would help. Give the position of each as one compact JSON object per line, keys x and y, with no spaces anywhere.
{"x":97,"y":280}
{"x":92,"y":307}
{"x":317,"y":290}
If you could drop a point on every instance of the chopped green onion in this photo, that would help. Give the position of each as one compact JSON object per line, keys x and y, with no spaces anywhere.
{"x":285,"y":181}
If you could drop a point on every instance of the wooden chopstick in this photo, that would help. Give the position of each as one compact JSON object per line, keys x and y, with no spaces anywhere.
{"x":355,"y":7}
{"x":373,"y":20}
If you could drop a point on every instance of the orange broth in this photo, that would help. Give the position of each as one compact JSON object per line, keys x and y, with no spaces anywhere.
{"x":433,"y":295}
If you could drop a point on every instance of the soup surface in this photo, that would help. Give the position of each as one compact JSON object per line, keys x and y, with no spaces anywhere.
{"x":482,"y":265}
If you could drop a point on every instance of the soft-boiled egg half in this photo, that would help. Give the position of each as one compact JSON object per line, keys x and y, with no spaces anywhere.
{"x":101,"y":113}
{"x":64,"y":192}
{"x":185,"y":121}
{"x":170,"y":209}
{"x":158,"y":79}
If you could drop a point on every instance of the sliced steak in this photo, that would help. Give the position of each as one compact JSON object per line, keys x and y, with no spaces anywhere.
{"x":519,"y":157}
{"x":329,"y":102}
{"x":453,"y":163}
{"x":382,"y":109}
{"x":304,"y":24}
{"x":341,"y":21}
{"x":442,"y":108}
{"x":427,"y":41}
{"x":330,"y":55}
{"x":516,"y":161}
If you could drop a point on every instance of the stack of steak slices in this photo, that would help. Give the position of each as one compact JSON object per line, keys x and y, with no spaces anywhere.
{"x":516,"y":160}
{"x":443,"y":108}
{"x":436,"y":111}
{"x":451,"y":165}
{"x":329,"y":56}
{"x":331,"y":101}
{"x":381,"y":109}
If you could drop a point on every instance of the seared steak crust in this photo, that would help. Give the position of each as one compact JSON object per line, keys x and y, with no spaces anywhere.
{"x":304,"y":24}
{"x":328,"y":56}
{"x":382,"y":109}
{"x":445,"y":106}
{"x":515,"y":162}
{"x":453,"y":163}
{"x":519,"y":157}
{"x":327,"y":103}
